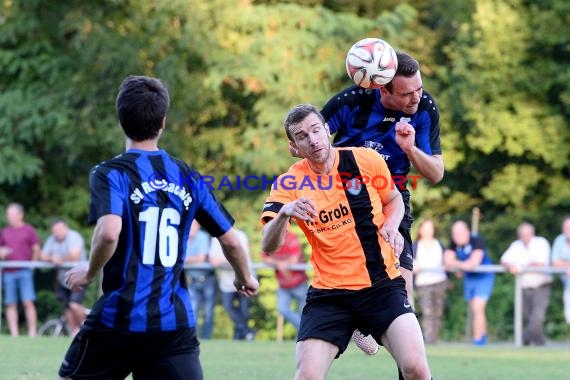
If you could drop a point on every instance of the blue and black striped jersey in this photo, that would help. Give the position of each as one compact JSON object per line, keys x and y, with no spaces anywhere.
{"x":357,"y":118}
{"x":157,"y":196}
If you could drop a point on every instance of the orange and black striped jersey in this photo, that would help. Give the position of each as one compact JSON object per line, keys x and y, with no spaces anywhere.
{"x":347,"y":249}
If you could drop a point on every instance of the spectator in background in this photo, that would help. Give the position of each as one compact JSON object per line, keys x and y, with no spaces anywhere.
{"x":236,"y":305}
{"x":561,"y":259}
{"x":465,"y":253}
{"x":65,"y":245}
{"x":292,"y":283}
{"x":19,"y":241}
{"x":531,"y":250}
{"x":430,"y":279}
{"x":202,"y":282}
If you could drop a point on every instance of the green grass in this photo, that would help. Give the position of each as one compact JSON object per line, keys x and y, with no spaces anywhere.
{"x":31,"y":359}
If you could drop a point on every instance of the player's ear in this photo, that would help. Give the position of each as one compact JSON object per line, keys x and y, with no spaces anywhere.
{"x":293,"y":149}
{"x":328,"y":130}
{"x":163,"y":123}
{"x":383,"y":91}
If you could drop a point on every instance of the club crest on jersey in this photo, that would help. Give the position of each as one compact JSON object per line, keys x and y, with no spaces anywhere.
{"x":355,"y":186}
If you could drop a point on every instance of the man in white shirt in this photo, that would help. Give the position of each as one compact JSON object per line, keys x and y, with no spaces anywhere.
{"x":561,"y":259}
{"x":531,"y":250}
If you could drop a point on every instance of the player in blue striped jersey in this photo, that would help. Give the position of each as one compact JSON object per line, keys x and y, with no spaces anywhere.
{"x":401,"y":122}
{"x":143,"y":203}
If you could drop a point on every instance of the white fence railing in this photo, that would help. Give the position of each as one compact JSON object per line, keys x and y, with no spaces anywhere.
{"x":517,"y":318}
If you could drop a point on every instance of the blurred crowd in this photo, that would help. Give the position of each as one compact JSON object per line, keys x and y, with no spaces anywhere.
{"x":210,"y":277}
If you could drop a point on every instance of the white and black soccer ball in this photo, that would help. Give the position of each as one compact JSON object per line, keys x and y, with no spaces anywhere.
{"x":371,"y":63}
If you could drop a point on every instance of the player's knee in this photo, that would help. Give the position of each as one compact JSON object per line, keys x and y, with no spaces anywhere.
{"x":416,"y":369}
{"x":307,"y":372}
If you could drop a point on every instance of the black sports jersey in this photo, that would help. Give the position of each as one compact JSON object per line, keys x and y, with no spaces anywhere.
{"x":157,"y":197}
{"x":357,"y":118}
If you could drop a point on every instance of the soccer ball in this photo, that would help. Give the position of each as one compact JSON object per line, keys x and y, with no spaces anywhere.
{"x":371,"y":63}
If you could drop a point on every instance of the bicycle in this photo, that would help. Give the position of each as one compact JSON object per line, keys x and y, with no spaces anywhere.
{"x":57,"y":327}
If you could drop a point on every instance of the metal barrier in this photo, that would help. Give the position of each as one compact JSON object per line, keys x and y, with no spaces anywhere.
{"x":518,"y":317}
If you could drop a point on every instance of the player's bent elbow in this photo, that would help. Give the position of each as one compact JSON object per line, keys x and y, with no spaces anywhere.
{"x":436,"y":178}
{"x":269,"y":248}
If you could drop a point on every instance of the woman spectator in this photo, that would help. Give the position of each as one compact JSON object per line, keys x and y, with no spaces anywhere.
{"x":430,"y":279}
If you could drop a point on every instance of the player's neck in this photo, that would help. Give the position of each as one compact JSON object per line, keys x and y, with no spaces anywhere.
{"x":324,"y":167}
{"x":150,"y":145}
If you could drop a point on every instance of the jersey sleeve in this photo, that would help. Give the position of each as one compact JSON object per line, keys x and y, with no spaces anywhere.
{"x":107,"y":195}
{"x":427,"y":132}
{"x":212,"y":214}
{"x":278,"y":197}
{"x":332,"y":115}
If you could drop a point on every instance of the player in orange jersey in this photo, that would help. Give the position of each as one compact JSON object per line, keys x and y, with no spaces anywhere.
{"x":351,"y":222}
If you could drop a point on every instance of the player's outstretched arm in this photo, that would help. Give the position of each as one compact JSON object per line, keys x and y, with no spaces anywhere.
{"x":103,"y":245}
{"x":234,"y":252}
{"x":274,"y":231}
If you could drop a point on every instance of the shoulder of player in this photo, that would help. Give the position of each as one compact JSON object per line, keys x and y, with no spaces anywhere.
{"x":106,"y":166}
{"x":353,"y":95}
{"x":427,"y":102}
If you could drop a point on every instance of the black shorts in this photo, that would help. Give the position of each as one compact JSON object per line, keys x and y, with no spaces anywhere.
{"x":65,"y":296}
{"x":104,"y":354}
{"x":333,"y":314}
{"x":405,"y":228}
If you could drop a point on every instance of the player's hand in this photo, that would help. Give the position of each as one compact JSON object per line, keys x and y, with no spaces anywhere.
{"x":405,"y":136}
{"x":77,"y":278}
{"x":247,"y":288}
{"x":391,"y":235}
{"x":303,"y":208}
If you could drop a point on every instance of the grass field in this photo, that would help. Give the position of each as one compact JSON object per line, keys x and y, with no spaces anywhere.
{"x":35,"y":359}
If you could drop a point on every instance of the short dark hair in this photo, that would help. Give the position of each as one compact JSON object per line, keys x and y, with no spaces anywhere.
{"x":408,"y":66}
{"x":142,"y":104}
{"x":297,"y":114}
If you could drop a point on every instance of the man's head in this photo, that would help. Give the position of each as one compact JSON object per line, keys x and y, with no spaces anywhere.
{"x":142,"y":104}
{"x":566,"y":227}
{"x":403,"y":93}
{"x":308,"y":133}
{"x":15,"y":214}
{"x":525,"y":232}
{"x":460,"y":233}
{"x":59,"y":229}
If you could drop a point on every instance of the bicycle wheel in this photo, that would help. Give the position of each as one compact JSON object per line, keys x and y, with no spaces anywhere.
{"x":53,"y":327}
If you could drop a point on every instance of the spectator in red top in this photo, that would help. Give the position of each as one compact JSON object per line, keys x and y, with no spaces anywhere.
{"x":292,"y":283}
{"x":19,"y":242}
